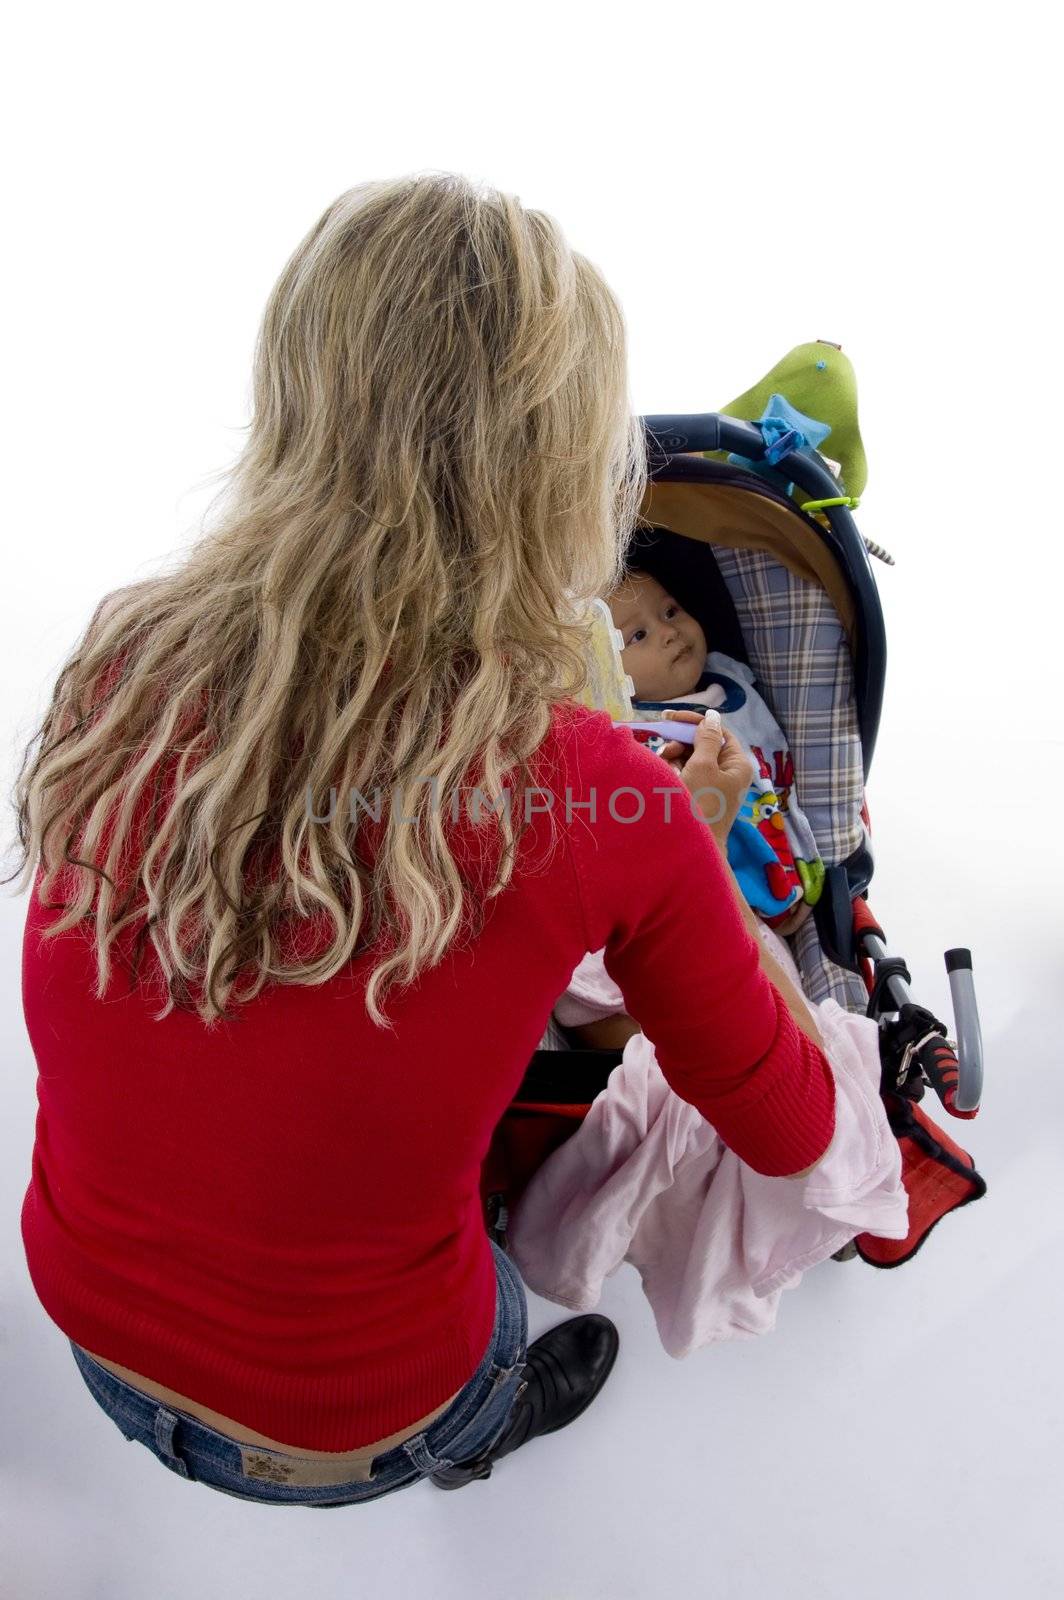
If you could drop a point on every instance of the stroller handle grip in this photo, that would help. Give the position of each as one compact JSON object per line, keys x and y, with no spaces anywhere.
{"x":969,"y":1035}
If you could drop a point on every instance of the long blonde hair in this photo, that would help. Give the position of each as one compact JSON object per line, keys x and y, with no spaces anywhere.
{"x":441,"y":460}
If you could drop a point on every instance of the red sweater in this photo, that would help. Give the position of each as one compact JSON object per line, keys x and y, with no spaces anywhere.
{"x":282,"y":1218}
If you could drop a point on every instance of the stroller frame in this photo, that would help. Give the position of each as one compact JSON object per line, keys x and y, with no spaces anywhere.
{"x":847,"y":931}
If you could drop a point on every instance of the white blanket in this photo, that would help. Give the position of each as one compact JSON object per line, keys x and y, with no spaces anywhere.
{"x":645,"y":1179}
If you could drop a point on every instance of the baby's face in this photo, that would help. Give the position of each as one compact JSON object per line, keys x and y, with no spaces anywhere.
{"x":664,"y":648}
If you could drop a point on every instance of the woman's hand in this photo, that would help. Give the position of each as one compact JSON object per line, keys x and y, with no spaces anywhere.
{"x":715,"y":769}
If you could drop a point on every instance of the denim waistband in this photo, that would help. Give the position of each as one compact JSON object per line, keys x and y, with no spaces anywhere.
{"x":194,"y":1450}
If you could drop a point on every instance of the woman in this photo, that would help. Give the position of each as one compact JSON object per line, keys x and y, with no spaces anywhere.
{"x":299,"y":984}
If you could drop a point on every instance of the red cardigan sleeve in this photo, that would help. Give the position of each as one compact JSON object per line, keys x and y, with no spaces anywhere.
{"x":654,"y":892}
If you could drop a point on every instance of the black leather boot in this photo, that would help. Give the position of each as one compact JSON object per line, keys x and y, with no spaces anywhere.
{"x":563,"y":1372}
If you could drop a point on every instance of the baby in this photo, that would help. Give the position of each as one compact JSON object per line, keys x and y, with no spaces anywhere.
{"x":664,"y":652}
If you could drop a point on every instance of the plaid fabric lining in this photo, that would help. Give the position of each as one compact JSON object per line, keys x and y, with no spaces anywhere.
{"x":800,"y":657}
{"x":821,"y":978}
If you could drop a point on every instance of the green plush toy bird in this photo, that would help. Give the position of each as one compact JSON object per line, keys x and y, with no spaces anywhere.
{"x":817,"y":380}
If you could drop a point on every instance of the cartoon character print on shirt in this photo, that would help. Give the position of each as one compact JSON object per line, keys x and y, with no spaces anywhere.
{"x":780,"y":774}
{"x":768,"y":877}
{"x":776,"y":780}
{"x":763,"y":811}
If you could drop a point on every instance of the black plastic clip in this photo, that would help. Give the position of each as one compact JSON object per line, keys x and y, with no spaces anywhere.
{"x":901,"y":1043}
{"x":883,"y":969}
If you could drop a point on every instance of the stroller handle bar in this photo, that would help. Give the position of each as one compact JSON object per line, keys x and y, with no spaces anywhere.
{"x":969,"y":1034}
{"x":671,"y":435}
{"x":954,"y":1068}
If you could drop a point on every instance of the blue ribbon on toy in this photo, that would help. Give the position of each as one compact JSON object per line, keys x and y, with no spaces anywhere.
{"x":780,"y":440}
{"x":784,"y":430}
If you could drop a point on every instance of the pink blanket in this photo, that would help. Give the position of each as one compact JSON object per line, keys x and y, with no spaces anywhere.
{"x":645,"y":1179}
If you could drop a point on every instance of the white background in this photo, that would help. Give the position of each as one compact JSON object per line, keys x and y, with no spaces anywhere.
{"x":747,"y":178}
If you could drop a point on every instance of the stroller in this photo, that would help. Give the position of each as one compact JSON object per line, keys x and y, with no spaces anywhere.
{"x":746,"y":525}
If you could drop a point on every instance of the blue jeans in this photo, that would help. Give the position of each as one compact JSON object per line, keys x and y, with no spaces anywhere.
{"x":469,"y":1426}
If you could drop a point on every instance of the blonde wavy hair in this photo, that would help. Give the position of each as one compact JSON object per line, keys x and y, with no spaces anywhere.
{"x":440,"y":463}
